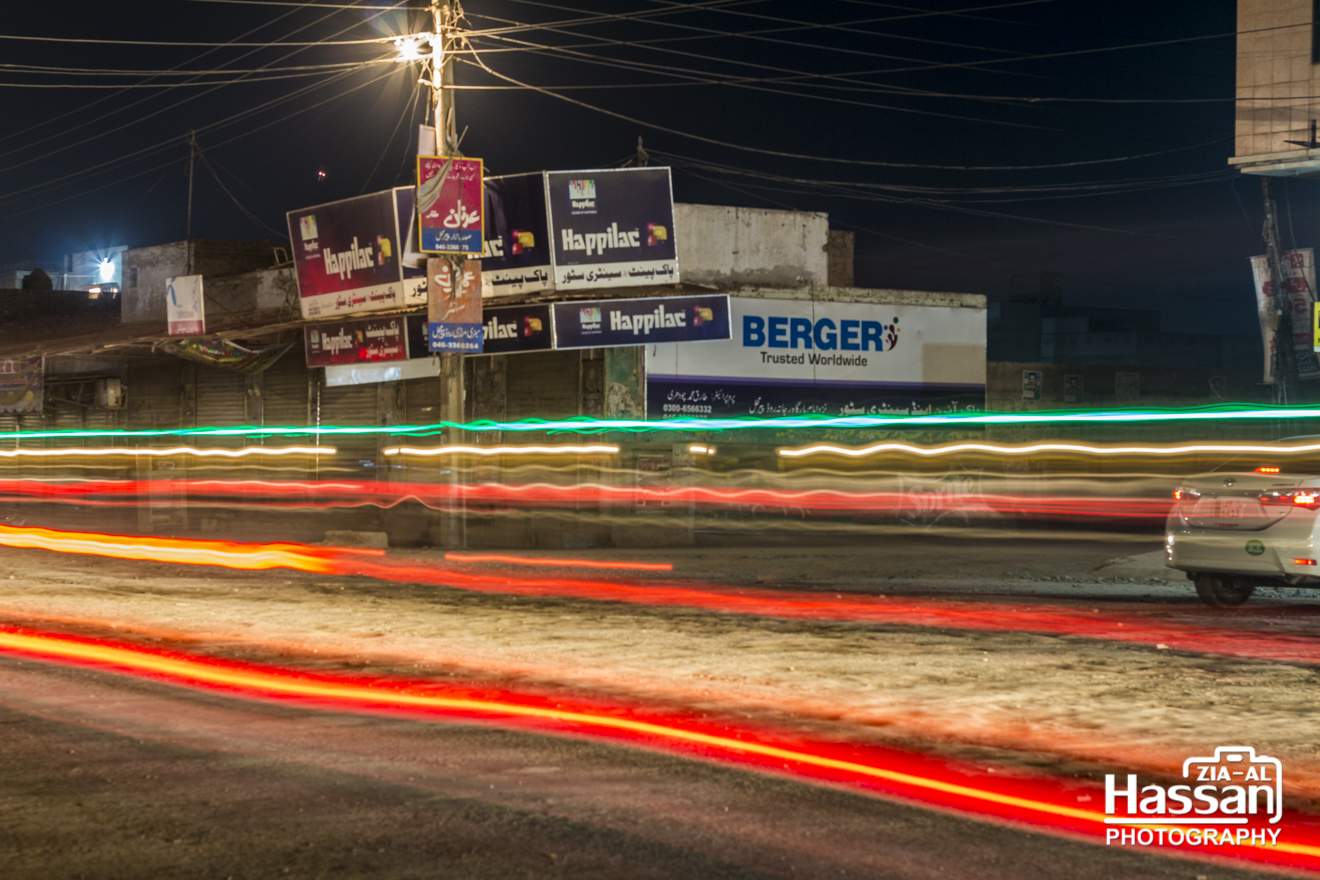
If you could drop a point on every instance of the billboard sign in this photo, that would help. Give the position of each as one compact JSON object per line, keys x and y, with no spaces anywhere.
{"x":516,"y":257}
{"x":453,"y":296}
{"x":517,"y":329}
{"x":346,"y":256}
{"x":22,"y":384}
{"x":363,"y":341}
{"x":505,"y":330}
{"x":611,"y":228}
{"x":612,"y":322}
{"x":450,"y":206}
{"x":1267,"y":313}
{"x":414,"y":261}
{"x":185,"y":306}
{"x":453,"y":306}
{"x":1299,"y":298}
{"x":799,"y":357}
{"x":454,"y":338}
{"x":1299,"y":285}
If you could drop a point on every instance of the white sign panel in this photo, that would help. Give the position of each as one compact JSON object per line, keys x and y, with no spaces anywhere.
{"x":798,"y":357}
{"x":185,"y":307}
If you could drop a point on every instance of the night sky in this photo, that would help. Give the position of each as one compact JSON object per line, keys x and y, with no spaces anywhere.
{"x":87,"y":168}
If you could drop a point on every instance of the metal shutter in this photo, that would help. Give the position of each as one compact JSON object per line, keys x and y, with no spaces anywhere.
{"x":221,"y":397}
{"x":543,"y":384}
{"x":153,"y":393}
{"x":285,"y":388}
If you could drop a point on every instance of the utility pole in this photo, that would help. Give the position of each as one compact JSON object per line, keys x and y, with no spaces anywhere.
{"x":445,"y":15}
{"x":1283,"y":339}
{"x":192,"y":169}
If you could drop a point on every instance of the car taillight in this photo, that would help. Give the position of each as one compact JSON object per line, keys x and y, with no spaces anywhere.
{"x":1268,"y":469}
{"x":1308,"y":499}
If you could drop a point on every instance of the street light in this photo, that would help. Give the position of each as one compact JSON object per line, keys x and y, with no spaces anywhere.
{"x":409,"y":47}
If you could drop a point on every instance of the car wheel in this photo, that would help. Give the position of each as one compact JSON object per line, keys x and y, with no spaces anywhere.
{"x":1219,"y":591}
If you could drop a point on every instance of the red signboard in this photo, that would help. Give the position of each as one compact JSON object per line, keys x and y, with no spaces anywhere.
{"x":450,"y":205}
{"x":365,"y":341}
{"x":347,"y":256}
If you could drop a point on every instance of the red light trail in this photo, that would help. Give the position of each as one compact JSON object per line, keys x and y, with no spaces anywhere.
{"x":787,"y":604}
{"x":1037,"y":802}
{"x":347,"y":493}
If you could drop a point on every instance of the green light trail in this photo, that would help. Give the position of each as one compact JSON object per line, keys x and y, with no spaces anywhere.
{"x":586,"y":425}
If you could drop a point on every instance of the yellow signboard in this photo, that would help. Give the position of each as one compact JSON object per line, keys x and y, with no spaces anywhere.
{"x":1315,"y":326}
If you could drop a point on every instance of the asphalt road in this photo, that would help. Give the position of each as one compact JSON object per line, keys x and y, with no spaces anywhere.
{"x":102,"y":776}
{"x":108,"y":776}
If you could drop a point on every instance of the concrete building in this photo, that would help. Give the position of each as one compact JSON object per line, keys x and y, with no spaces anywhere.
{"x":120,"y":369}
{"x":1278,"y":87}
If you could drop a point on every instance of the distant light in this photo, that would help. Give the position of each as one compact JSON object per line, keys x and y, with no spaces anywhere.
{"x":700,"y":449}
{"x":105,"y":269}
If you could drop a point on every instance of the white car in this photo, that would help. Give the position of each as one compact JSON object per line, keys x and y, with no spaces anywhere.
{"x":1234,"y":531}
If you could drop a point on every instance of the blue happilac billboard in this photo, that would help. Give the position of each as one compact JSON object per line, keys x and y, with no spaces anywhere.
{"x":612,"y":228}
{"x":609,"y":323}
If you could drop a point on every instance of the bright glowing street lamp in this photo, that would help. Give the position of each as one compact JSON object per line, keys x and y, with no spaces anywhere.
{"x":410,"y":47}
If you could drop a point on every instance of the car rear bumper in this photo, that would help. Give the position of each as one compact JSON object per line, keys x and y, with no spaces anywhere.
{"x":1279,"y":551}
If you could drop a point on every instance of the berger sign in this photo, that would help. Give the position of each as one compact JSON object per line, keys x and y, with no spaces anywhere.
{"x":607,"y":323}
{"x":612,"y":228}
{"x":798,"y":357}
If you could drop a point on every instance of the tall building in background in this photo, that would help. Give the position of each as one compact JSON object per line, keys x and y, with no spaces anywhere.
{"x":1278,"y":87}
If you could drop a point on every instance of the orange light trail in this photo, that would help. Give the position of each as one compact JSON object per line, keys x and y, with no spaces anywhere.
{"x":559,"y":562}
{"x":225,"y":554}
{"x":785,"y":604}
{"x":1039,"y":802}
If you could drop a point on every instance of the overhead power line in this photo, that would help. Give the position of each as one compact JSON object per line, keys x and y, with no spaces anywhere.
{"x":762,"y":35}
{"x":808,"y":157}
{"x":243,"y":209}
{"x":194,"y":44}
{"x":118,"y":178}
{"x":164,"y":86}
{"x":418,"y":8}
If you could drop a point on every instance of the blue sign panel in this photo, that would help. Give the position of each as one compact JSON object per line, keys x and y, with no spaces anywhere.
{"x":669,"y":397}
{"x":616,"y":322}
{"x":454,"y":338}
